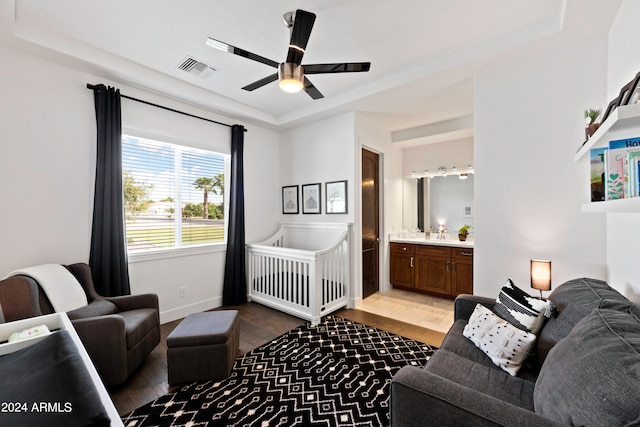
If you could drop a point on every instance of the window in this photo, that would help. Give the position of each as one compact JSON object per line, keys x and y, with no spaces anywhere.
{"x":173,"y":195}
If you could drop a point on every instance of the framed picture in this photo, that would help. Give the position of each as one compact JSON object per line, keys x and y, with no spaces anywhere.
{"x":311,"y":203}
{"x":625,"y":93}
{"x":634,"y":93}
{"x":466,"y":210}
{"x":290,"y":199}
{"x":612,"y":106}
{"x":336,"y":197}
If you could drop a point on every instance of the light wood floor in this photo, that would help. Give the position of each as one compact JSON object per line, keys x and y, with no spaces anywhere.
{"x":411,"y":307}
{"x":258,"y":325}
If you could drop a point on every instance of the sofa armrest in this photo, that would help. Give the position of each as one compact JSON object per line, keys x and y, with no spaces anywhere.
{"x":133,"y":302}
{"x":464,"y":305}
{"x":104,"y":339}
{"x":419,"y":397}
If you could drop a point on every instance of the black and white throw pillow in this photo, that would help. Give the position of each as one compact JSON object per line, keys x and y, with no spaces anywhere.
{"x":520,"y":309}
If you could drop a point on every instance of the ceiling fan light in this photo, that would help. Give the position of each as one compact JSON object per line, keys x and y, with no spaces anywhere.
{"x":291,"y":77}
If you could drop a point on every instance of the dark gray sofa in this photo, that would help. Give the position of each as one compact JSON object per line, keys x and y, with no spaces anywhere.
{"x":585,"y":371}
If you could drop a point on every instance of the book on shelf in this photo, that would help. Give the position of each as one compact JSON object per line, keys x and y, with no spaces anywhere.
{"x":596,"y":156}
{"x":618,"y":171}
{"x":633,"y":162}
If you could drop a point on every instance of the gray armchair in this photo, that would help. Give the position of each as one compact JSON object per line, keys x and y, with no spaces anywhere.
{"x":117,"y":332}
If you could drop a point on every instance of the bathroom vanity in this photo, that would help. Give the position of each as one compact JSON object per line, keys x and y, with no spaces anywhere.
{"x":437,"y":267}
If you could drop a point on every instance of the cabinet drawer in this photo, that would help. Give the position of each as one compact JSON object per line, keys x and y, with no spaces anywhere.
{"x":433,"y":251}
{"x":464,"y":253}
{"x":403,"y":248}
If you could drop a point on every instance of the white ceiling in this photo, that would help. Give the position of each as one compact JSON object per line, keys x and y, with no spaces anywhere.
{"x":424,"y":53}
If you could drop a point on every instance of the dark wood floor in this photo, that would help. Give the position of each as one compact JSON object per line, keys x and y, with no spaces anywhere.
{"x":258,"y":325}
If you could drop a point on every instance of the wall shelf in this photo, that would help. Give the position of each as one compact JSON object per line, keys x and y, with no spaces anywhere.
{"x":623,"y":122}
{"x":631,"y":205}
{"x":623,"y":118}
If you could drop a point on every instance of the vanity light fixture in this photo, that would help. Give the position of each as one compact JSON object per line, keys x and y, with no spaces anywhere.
{"x":443,"y":171}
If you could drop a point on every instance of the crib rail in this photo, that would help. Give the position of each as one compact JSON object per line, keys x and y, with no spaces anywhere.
{"x":306,"y":284}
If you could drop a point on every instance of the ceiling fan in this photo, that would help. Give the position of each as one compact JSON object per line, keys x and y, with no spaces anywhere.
{"x":291,"y":73}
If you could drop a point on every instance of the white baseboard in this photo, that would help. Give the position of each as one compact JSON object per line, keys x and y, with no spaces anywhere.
{"x":184,"y":311}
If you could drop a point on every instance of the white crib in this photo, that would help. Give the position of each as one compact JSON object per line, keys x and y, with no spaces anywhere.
{"x":303,"y":269}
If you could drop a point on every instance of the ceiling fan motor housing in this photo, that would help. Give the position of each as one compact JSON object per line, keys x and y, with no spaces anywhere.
{"x":291,"y":77}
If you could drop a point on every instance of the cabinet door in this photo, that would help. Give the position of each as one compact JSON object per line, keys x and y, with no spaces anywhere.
{"x":433,"y":269}
{"x":402,"y":265}
{"x":462,"y":271}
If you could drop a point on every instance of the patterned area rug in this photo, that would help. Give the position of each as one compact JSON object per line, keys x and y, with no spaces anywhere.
{"x":333,"y":374}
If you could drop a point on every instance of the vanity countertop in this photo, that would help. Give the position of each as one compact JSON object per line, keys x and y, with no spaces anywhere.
{"x":422,"y":241}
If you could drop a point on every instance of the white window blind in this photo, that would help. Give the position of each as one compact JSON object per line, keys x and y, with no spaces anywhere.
{"x":173,"y":195}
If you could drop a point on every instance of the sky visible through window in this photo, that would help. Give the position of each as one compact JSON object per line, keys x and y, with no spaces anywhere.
{"x":154,"y":162}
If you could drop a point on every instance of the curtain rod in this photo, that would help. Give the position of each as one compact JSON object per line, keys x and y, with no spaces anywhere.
{"x":93,"y":87}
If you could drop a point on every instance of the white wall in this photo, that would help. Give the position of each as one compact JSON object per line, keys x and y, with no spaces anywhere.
{"x":623,"y":230}
{"x":47,"y":161}
{"x":318,"y":153}
{"x":528,"y":189}
{"x":47,"y":167}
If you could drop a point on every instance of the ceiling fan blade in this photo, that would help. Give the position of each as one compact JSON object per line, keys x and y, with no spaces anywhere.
{"x":347,"y":67}
{"x":257,"y":84}
{"x":225,"y":47}
{"x":312,"y":90}
{"x":302,"y":26}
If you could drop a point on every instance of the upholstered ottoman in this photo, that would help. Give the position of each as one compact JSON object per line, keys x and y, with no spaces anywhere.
{"x":203,"y":347}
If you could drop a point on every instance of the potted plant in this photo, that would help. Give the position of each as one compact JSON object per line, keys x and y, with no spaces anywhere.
{"x":590,"y":117}
{"x":463,"y":232}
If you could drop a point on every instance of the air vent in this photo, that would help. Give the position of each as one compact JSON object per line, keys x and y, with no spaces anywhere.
{"x":195,"y":67}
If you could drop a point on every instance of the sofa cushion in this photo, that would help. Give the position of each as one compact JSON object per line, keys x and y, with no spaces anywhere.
{"x":485,"y":379}
{"x":621,"y":305}
{"x":506,"y":345}
{"x":592,"y":377}
{"x":456,"y":342}
{"x":98,"y":307}
{"x":519,"y":308}
{"x":572,"y":300}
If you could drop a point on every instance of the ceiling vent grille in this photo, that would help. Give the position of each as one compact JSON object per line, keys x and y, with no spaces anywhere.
{"x":196,"y":68}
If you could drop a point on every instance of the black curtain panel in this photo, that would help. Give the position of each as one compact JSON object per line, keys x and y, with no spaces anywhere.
{"x":234,"y":289}
{"x":108,"y":256}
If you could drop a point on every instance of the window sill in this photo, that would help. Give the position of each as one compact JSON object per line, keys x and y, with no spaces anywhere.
{"x":176,"y":253}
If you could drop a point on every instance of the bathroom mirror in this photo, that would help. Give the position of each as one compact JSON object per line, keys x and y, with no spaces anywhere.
{"x":442,"y":200}
{"x":443,"y":196}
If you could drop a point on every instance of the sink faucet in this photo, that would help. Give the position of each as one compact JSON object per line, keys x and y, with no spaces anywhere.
{"x":441,"y":232}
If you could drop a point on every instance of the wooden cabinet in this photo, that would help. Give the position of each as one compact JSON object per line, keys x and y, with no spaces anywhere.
{"x":434,"y":269}
{"x":402,"y":264}
{"x":462,"y":270}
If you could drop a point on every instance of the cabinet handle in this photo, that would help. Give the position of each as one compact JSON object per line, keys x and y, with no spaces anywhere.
{"x":453,"y":264}
{"x":448,"y":266}
{"x":404,"y":248}
{"x":411,"y":262}
{"x":466,"y":253}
